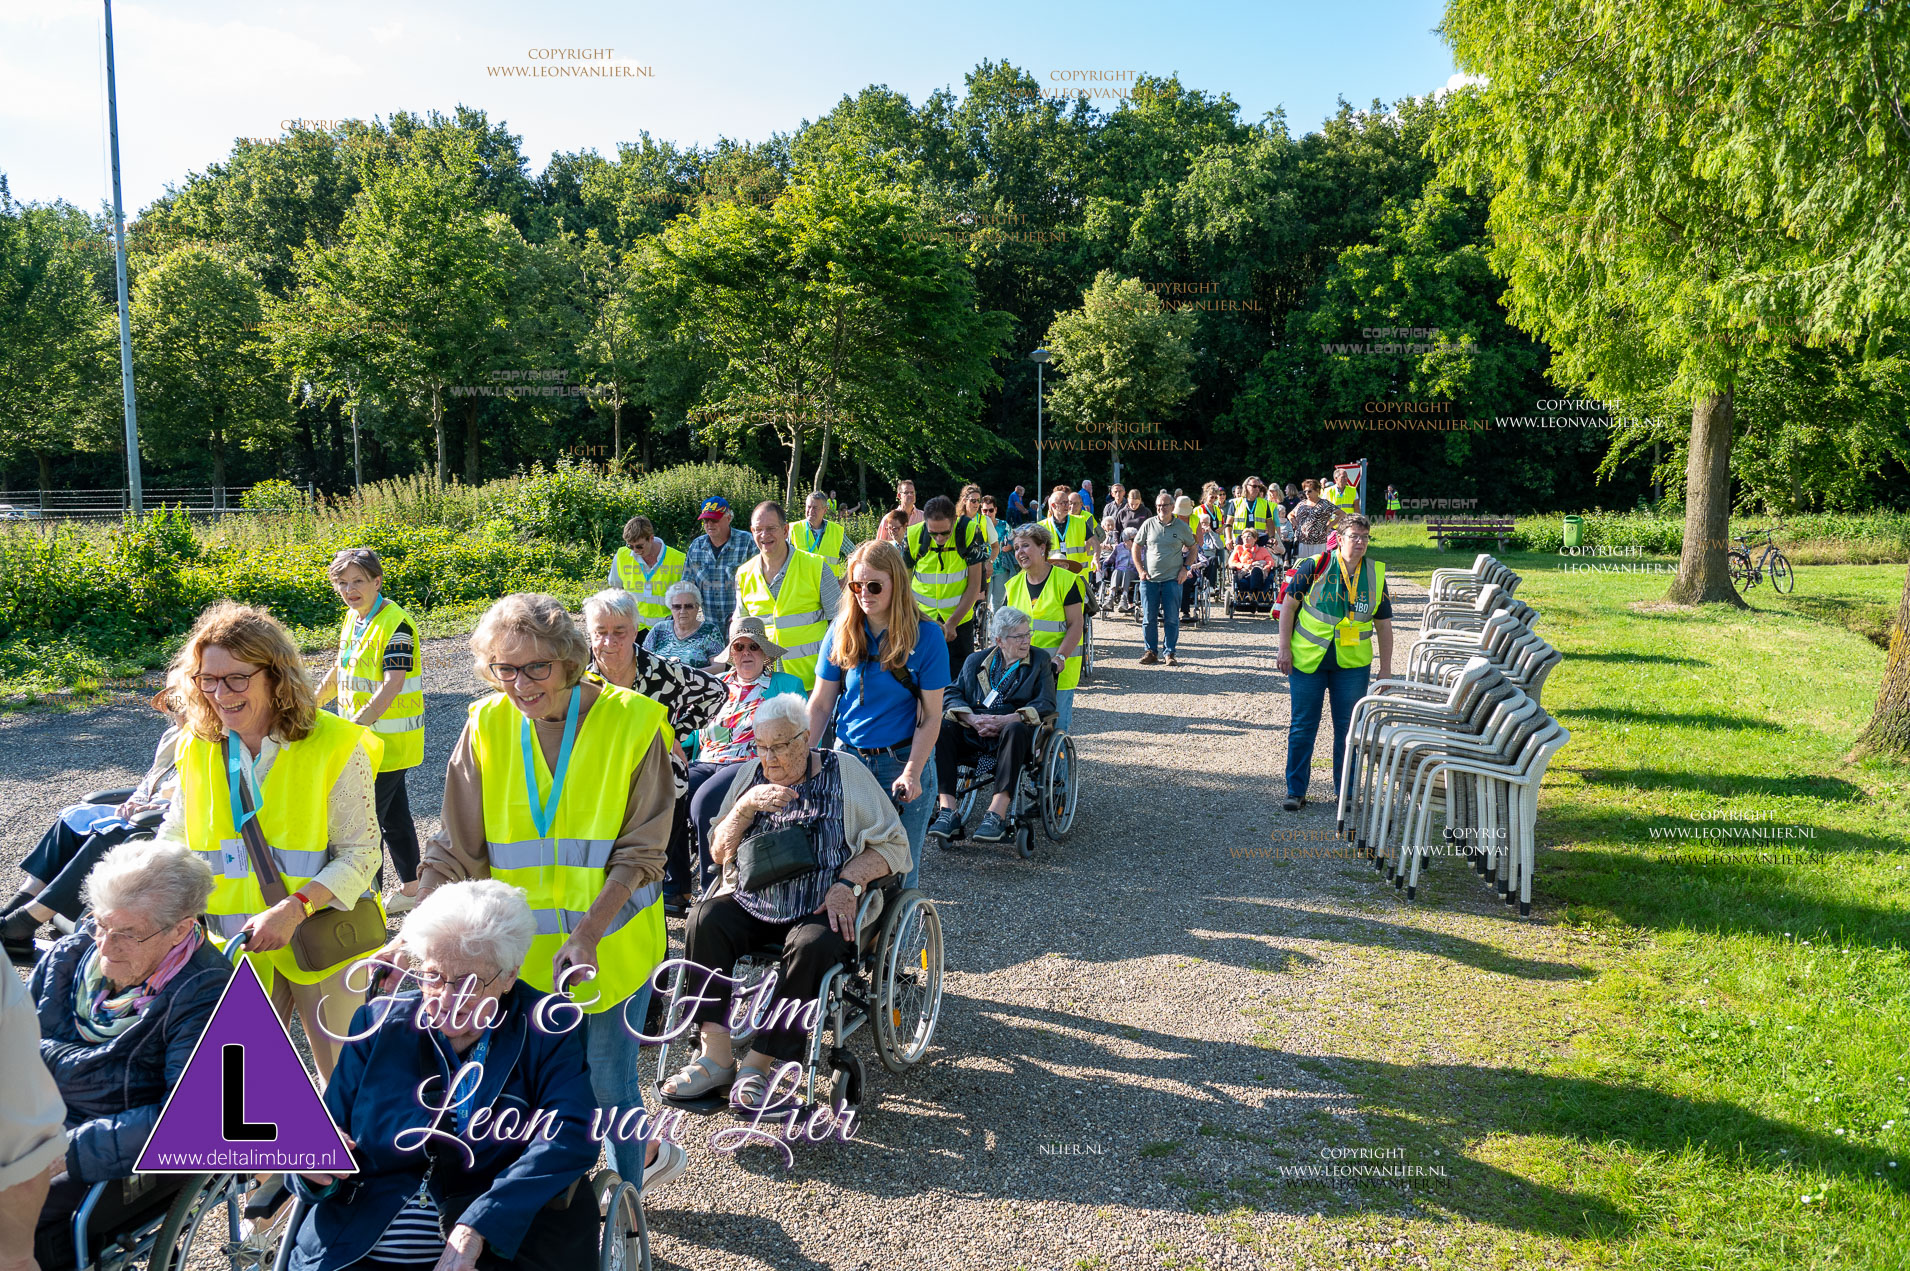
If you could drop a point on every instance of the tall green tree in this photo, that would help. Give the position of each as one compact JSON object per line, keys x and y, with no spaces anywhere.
{"x":205,"y":381}
{"x":1674,"y":180}
{"x":55,"y":391}
{"x":1123,"y":359}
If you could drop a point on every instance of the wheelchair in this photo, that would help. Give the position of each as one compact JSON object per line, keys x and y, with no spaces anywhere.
{"x":894,"y":980}
{"x":624,"y":1246}
{"x":1049,"y":783}
{"x":1241,"y":600}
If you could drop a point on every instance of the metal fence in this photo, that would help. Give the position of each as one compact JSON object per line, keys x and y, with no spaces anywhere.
{"x":200,"y":500}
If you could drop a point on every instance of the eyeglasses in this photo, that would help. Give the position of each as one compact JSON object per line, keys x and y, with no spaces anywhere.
{"x":438,"y":980}
{"x":105,"y":935}
{"x":536,"y":672}
{"x":1023,"y":634}
{"x":235,"y":682}
{"x":872,"y":587}
{"x":786,"y":750}
{"x":685,"y":606}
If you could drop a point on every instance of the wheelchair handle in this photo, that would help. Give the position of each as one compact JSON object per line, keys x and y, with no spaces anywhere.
{"x":235,"y":947}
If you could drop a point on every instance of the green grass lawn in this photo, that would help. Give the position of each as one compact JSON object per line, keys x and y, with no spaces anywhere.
{"x":1716,"y":1077}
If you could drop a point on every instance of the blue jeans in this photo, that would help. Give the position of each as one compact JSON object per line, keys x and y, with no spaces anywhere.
{"x":1160,"y":599}
{"x":1064,"y":709}
{"x":612,"y":1050}
{"x":1309,"y":692}
{"x":916,"y":814}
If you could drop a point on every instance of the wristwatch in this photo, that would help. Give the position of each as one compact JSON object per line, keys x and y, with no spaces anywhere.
{"x":305,"y":902}
{"x":855,"y":889}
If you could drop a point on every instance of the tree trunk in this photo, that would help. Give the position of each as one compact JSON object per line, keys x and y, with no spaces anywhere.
{"x":862,"y":482}
{"x":1889,"y":728}
{"x":437,"y":428}
{"x":471,"y":444}
{"x":1704,"y":575}
{"x":822,"y":464}
{"x":616,"y":428}
{"x":46,"y":473}
{"x":795,"y":466}
{"x":644,"y":443}
{"x":218,"y":467}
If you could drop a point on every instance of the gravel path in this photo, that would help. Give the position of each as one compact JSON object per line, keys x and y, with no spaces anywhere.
{"x":1104,"y":1045}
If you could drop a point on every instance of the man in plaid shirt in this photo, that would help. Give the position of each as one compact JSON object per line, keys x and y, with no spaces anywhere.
{"x":712,"y":558}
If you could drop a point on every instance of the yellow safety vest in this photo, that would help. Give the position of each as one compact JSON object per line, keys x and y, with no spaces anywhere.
{"x":1253,"y":514}
{"x":939,"y":575}
{"x":1048,"y":615}
{"x":563,"y":874}
{"x":827,"y":545}
{"x":794,"y":616}
{"x":1073,"y":539}
{"x":1326,"y":605}
{"x":361,"y":672}
{"x":294,"y":814}
{"x":652,"y":608}
{"x":1392,"y":503}
{"x":1347,"y":499}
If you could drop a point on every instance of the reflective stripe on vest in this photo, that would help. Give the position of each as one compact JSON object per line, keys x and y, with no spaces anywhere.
{"x":794,"y":615}
{"x":1347,"y":498}
{"x":828,"y":545}
{"x":1073,"y":539}
{"x":1254,"y":512}
{"x":652,"y":608}
{"x":403,"y":720}
{"x":294,"y":816}
{"x":562,"y":874}
{"x":1317,"y":623}
{"x":1048,"y":616}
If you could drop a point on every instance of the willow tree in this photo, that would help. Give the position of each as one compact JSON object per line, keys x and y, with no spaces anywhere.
{"x":1673,"y":182}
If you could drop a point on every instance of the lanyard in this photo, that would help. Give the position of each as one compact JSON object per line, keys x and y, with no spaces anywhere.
{"x":234,"y":756}
{"x":663,"y":553}
{"x":544,"y":815}
{"x":463,"y":1102}
{"x":1352,"y":594}
{"x":361,"y":632}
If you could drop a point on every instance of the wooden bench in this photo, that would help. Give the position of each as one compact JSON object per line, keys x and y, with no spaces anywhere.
{"x":1455,"y":528}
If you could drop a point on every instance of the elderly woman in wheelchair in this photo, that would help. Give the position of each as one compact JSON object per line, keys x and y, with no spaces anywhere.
{"x":801,"y":836}
{"x":467,"y":1101}
{"x":122,"y":1002}
{"x":993,"y":715}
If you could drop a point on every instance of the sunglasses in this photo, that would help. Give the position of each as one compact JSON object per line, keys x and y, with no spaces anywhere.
{"x":871,"y":588}
{"x":744,"y":647}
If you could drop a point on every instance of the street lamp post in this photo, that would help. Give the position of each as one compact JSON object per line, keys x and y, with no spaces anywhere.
{"x":1040,"y":357}
{"x":135,"y":493}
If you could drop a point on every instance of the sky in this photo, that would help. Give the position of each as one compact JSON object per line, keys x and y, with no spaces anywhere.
{"x":195,"y":74}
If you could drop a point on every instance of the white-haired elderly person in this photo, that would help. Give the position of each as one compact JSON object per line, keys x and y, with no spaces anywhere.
{"x":468,"y":1108}
{"x":993,"y":710}
{"x":851,"y":827}
{"x":688,"y":637}
{"x":692,"y":698}
{"x":561,"y":785}
{"x":122,"y":1002}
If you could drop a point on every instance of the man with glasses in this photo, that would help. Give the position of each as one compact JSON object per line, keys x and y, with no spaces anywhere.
{"x":645,"y":567}
{"x":905,"y":501}
{"x":947,"y":556}
{"x":820,"y":536}
{"x":1163,"y":556}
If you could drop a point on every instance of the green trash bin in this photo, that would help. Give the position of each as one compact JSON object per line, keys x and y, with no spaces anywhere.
{"x":1575,"y":531}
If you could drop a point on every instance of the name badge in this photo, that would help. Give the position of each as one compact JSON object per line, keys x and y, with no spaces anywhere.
{"x":1348,"y":632}
{"x":994,"y":695}
{"x":232,"y":862}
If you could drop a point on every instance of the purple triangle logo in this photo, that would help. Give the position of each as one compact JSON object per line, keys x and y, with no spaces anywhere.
{"x":245,"y":1101}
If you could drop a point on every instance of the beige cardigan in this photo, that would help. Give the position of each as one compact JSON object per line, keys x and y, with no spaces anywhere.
{"x":869,"y":821}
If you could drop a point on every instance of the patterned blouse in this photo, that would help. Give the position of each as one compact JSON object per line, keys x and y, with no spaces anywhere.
{"x":1312,"y":521}
{"x":731,"y":737}
{"x":818,"y":807}
{"x":697,"y":650}
{"x":692,"y":698}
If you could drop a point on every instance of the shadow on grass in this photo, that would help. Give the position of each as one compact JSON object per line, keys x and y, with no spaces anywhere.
{"x":1620,"y":655}
{"x":1723,"y":784}
{"x":1672,"y":719}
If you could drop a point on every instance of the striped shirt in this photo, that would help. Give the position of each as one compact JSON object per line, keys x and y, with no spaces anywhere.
{"x":713,"y":570}
{"x":413,"y":1238}
{"x":818,"y":807}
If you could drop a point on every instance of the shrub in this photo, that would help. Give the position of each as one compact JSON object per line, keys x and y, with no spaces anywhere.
{"x":274,"y":496}
{"x":569,"y":503}
{"x":672,"y":497}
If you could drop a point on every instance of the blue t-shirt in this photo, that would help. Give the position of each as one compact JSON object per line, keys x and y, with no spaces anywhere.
{"x":873,"y":708}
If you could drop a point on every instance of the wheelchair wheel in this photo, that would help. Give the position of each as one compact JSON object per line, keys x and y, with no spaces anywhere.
{"x":1060,"y":787}
{"x":908,"y":981}
{"x":184,"y":1232}
{"x":847,"y":1080}
{"x":1025,"y":840}
{"x":261,"y":1250}
{"x":1204,"y":603}
{"x":625,"y":1244}
{"x":965,"y":806}
{"x":1087,"y":645}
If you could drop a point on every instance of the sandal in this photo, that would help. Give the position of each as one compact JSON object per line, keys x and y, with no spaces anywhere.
{"x":701,"y":1078}
{"x":752,"y":1089}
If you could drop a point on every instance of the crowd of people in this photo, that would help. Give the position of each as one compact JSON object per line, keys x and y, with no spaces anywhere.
{"x":718,"y":706}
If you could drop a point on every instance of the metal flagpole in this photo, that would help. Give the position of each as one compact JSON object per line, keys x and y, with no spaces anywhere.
{"x":136,"y":494}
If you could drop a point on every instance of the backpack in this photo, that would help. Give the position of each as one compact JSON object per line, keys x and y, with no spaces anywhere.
{"x":1319,"y":563}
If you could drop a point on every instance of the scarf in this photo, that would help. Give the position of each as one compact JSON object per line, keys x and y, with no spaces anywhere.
{"x":101,"y":1015}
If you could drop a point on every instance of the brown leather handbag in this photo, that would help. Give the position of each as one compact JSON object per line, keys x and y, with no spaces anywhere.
{"x":329,"y":936}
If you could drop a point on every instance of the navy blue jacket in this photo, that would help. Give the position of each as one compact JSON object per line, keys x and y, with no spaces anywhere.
{"x":374,"y":1097}
{"x":113,"y":1090}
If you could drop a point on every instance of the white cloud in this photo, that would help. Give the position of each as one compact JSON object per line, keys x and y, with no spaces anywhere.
{"x":1458,"y":81}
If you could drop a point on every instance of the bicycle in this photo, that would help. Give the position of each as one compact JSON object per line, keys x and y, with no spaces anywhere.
{"x":1746,"y":574}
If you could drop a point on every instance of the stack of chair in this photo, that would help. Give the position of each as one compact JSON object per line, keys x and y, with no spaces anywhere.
{"x":1462,"y":732}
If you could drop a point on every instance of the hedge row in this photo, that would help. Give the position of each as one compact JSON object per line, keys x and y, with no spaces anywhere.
{"x":1664,"y":536}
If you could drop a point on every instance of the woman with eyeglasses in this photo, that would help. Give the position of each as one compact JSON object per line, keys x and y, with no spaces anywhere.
{"x":728,"y":740}
{"x":994,"y":709}
{"x":687,"y":637}
{"x":561,"y":786}
{"x":258,"y":747}
{"x":880,"y":677}
{"x":1054,"y":600}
